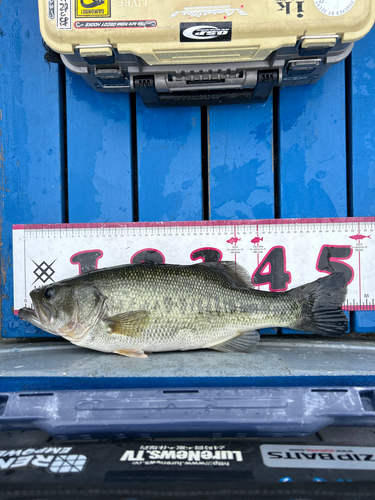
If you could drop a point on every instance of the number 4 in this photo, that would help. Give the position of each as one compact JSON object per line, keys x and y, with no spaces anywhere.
{"x":272,"y":271}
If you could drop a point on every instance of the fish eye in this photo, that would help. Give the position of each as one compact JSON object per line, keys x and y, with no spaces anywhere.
{"x":49,"y":292}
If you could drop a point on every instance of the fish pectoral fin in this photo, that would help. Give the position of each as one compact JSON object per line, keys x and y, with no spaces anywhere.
{"x":131,"y":323}
{"x":131,"y":353}
{"x":245,"y":342}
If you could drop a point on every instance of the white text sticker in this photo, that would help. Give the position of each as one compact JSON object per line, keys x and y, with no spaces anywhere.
{"x":64,"y":15}
{"x":318,"y":457}
{"x":334,"y":7}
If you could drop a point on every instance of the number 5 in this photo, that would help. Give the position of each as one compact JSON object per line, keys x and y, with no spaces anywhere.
{"x":329,"y":260}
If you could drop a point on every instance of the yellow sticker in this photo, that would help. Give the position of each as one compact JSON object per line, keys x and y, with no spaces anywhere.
{"x":93,"y":8}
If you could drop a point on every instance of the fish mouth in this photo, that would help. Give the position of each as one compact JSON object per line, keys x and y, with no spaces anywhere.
{"x":40,"y":315}
{"x":28,"y":314}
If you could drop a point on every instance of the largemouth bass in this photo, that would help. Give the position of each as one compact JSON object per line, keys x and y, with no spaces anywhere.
{"x":143,"y":308}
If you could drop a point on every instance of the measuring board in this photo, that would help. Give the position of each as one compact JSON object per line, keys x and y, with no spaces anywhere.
{"x":279,"y":254}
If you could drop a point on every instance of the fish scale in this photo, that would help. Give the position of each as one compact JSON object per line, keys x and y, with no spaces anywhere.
{"x":138,"y":308}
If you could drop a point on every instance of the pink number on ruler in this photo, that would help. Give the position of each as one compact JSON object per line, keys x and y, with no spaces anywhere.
{"x":272,"y":271}
{"x":207,"y":254}
{"x":148,"y":255}
{"x":86,"y":260}
{"x":330,"y":257}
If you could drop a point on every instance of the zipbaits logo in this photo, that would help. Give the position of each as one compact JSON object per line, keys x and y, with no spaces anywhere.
{"x":56,"y":460}
{"x":205,"y":32}
{"x":312,"y":457}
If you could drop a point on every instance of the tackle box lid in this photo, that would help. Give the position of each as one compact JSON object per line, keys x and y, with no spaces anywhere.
{"x":175,"y":33}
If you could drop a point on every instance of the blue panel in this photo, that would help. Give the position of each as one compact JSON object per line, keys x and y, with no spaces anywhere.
{"x":241,"y":184}
{"x":99,"y":154}
{"x":240,"y":162}
{"x":363,"y":126}
{"x":363,"y":146}
{"x":363,"y":322}
{"x":31,"y":383}
{"x":169,"y":163}
{"x":313,"y":149}
{"x":30,"y":187}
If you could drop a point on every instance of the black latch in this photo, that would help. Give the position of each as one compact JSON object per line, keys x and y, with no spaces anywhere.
{"x":318,"y":51}
{"x":145,"y":86}
{"x":98,"y":60}
{"x":266,"y":82}
{"x":111,"y":77}
{"x":300,"y":67}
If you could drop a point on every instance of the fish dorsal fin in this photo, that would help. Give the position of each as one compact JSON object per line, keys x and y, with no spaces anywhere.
{"x":246,"y":342}
{"x":236,"y":274}
{"x":130,"y":323}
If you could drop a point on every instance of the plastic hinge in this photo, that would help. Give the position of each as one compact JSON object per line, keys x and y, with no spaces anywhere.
{"x":299,"y":411}
{"x":319,"y":50}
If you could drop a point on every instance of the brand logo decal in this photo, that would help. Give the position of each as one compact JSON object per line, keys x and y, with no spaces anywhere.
{"x":56,"y":460}
{"x":115,"y":24}
{"x":181,"y":455}
{"x":205,"y":32}
{"x":225,"y":10}
{"x":43,"y":271}
{"x":94,"y":8}
{"x":317,"y":457}
{"x":64,"y":15}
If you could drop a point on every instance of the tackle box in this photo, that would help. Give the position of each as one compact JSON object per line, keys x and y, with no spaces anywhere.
{"x":69,"y":154}
{"x":179,"y":54}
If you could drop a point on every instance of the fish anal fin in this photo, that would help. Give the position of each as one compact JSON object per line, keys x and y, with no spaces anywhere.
{"x":245,"y":342}
{"x":130,"y":323}
{"x":131,"y":353}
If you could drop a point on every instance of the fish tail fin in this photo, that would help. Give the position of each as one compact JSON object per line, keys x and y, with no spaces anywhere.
{"x":322,"y":300}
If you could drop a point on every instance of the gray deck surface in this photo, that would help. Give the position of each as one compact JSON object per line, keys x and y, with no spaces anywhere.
{"x":274,"y":357}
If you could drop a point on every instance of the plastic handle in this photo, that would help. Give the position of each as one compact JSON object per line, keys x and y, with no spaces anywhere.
{"x":299,"y":411}
{"x":146,"y":88}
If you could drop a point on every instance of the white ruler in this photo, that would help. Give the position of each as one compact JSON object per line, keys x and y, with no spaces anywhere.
{"x":278,"y":254}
